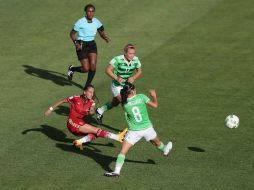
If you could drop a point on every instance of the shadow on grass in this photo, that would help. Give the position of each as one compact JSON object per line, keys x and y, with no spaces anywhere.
{"x":103,"y":160}
{"x":59,"y":136}
{"x":56,"y":77}
{"x":196,"y":149}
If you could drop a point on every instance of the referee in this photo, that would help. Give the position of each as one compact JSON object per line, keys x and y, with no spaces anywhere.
{"x":83,"y":34}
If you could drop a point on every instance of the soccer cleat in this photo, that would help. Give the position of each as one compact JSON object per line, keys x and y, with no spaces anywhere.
{"x":121,"y":135}
{"x":167,"y":148}
{"x":98,"y":117}
{"x":70,"y":72}
{"x":78,"y":144}
{"x":111,"y":174}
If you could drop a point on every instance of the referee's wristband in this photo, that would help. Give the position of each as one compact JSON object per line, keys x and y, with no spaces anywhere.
{"x":51,"y":108}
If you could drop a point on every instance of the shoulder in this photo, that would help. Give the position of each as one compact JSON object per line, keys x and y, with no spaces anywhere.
{"x":136,"y":59}
{"x":120,"y":57}
{"x":97,"y":21}
{"x":81,"y":20}
{"x":144,"y":97}
{"x":116,"y":59}
{"x":73,"y":98}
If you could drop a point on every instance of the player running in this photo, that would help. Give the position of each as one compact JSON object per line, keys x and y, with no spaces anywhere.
{"x":83,"y":35}
{"x":123,"y":68}
{"x":80,"y":107}
{"x":139,"y":124}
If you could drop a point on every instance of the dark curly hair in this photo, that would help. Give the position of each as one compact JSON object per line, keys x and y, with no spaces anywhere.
{"x":88,"y":6}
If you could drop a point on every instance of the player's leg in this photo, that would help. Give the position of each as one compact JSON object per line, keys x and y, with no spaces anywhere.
{"x":120,"y":160}
{"x":83,"y":58}
{"x":108,"y":106}
{"x":89,"y":129}
{"x":151,"y":135}
{"x":92,"y":57}
{"x":160,"y":145}
{"x":88,"y":138}
{"x":131,"y":138}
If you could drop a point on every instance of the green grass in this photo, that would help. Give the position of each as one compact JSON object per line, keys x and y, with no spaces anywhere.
{"x":197,"y":54}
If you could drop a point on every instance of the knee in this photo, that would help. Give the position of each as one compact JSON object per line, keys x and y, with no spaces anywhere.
{"x":93,"y":66}
{"x":85,"y":69}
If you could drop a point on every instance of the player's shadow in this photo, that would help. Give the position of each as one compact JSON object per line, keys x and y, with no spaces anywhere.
{"x":56,"y":77}
{"x":59,"y":136}
{"x":196,"y":149}
{"x":103,"y":160}
{"x":62,"y":110}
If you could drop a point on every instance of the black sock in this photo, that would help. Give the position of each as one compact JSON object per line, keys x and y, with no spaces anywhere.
{"x":90,"y":77}
{"x":77,"y":69}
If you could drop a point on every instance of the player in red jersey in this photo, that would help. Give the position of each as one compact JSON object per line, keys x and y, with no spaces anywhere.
{"x":80,"y":107}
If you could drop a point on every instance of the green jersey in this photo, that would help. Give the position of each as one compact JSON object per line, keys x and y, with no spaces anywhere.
{"x":123,"y":68}
{"x":136,"y":113}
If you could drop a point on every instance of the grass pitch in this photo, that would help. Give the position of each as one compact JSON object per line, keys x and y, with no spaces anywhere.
{"x":197,"y":54}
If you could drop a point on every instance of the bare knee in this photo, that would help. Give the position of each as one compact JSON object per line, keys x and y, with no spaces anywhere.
{"x":156,"y":142}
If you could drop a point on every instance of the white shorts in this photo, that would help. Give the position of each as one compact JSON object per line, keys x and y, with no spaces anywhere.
{"x":116,"y":89}
{"x":134,"y":136}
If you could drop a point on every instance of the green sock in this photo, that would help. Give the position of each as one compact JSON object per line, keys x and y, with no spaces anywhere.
{"x":106,"y":107}
{"x":119,"y":163}
{"x":161,"y":147}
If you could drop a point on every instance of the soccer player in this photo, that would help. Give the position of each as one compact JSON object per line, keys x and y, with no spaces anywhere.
{"x":139,"y":124}
{"x":83,"y":35}
{"x":80,"y":107}
{"x":123,"y":68}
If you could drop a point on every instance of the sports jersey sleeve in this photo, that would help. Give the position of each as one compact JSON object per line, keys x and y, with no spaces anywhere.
{"x":138,"y":65}
{"x":70,"y":99}
{"x":76,"y":26}
{"x":113,"y":62}
{"x":98,"y":23}
{"x":145,"y":98}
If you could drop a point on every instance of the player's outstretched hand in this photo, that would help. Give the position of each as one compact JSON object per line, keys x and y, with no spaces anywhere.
{"x":47,"y":112}
{"x":152,"y":93}
{"x":107,"y":39}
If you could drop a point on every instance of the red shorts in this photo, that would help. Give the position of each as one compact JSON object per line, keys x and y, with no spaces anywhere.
{"x":74,"y":124}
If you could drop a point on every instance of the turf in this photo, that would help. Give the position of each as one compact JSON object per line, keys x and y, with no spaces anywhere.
{"x":197,"y":54}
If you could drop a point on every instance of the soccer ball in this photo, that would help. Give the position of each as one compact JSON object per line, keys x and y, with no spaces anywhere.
{"x":232,"y":121}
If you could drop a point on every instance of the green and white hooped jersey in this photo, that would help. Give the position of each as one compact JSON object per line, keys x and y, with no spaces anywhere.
{"x":136,"y":112}
{"x":123,"y":68}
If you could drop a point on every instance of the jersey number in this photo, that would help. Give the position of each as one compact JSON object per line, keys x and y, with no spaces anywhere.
{"x":136,"y":113}
{"x":127,"y":70}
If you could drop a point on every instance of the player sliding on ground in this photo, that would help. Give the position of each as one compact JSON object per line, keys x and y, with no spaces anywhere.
{"x":139,"y":124}
{"x":82,"y":106}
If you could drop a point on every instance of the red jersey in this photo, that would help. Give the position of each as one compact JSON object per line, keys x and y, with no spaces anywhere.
{"x":79,"y":108}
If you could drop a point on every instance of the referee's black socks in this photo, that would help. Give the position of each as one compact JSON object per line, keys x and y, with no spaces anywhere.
{"x":90,"y":77}
{"x":77,"y":69}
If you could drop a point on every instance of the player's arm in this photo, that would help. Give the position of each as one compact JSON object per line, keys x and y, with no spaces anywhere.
{"x":65,"y":100}
{"x":73,"y":38}
{"x":109,"y":72}
{"x":135,"y":76}
{"x":153,"y":102}
{"x":102,"y":34}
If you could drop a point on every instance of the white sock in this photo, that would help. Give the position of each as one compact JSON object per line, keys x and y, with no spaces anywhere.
{"x":100,"y":110}
{"x":112,"y":136}
{"x":85,"y":139}
{"x":118,"y":168}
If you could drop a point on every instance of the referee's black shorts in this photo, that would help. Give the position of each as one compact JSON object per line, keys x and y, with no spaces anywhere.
{"x":87,"y":47}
